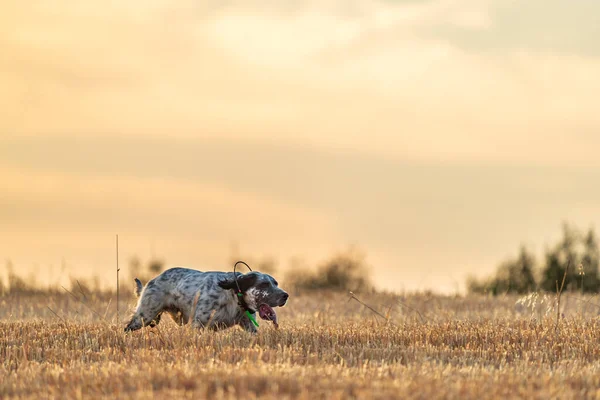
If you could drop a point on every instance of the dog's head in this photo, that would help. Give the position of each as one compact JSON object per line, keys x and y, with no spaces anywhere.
{"x":260,"y":291}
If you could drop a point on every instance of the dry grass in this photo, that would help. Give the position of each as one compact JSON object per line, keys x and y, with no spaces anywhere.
{"x":327,"y":347}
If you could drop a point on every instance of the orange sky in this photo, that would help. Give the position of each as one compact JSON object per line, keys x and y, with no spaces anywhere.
{"x":437,"y":135}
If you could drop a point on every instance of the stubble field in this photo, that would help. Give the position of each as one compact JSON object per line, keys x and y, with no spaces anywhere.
{"x":61,"y":345}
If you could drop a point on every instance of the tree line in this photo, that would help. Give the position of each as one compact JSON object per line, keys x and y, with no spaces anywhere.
{"x":576,"y":253}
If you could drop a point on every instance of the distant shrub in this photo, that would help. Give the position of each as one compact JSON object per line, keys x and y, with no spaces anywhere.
{"x":580,"y":254}
{"x":137,"y":269}
{"x":576,"y":254}
{"x":267,"y":265}
{"x":18,"y":284}
{"x":87,"y":286}
{"x":344,"y":271}
{"x":512,"y":276}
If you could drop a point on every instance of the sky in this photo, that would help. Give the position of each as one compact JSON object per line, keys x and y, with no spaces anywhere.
{"x":437,"y":136}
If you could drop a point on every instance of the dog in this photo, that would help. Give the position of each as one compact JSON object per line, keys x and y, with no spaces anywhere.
{"x":207,"y":299}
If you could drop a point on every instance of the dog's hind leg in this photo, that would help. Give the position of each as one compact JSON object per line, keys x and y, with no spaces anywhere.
{"x":148,"y":311}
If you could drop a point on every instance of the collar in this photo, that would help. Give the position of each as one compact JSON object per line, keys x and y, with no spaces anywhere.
{"x":247,"y":310}
{"x":242,"y":303}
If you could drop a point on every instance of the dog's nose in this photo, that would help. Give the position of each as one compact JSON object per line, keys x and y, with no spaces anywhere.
{"x":285,"y":296}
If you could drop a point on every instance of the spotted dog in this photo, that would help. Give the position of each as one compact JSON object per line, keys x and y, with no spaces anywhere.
{"x":207,"y":299}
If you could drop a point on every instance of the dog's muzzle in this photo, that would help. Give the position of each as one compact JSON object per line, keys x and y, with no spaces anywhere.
{"x":283,"y":299}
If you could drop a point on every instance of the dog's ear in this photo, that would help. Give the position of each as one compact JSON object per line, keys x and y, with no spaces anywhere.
{"x":244,"y":281}
{"x":227,"y":283}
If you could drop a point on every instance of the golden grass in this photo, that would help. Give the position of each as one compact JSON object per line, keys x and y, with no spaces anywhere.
{"x":327,"y":348}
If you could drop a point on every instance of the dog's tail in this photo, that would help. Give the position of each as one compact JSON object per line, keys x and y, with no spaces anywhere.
{"x":138,"y":287}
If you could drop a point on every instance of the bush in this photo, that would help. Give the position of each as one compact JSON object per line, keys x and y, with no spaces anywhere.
{"x":576,"y":254}
{"x":512,"y":276}
{"x":145,"y":273}
{"x":267,"y":265}
{"x":580,"y":254}
{"x":343,"y":272}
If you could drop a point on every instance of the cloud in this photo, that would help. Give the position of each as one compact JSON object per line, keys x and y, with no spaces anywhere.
{"x":370,"y":77}
{"x":555,"y":26}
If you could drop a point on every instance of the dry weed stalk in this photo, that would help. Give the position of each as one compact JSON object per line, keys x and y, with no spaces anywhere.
{"x":194,"y":307}
{"x":86,"y":305}
{"x":353,"y":297}
{"x":559,"y":293}
{"x":117,"y":257}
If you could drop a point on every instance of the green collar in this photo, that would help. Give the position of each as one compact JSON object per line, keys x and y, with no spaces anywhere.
{"x":244,"y":307}
{"x":251,"y":318}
